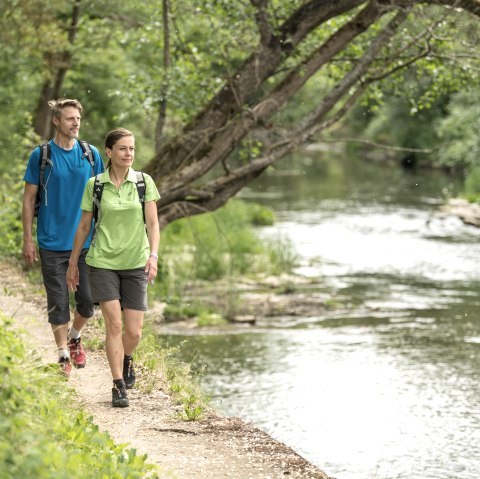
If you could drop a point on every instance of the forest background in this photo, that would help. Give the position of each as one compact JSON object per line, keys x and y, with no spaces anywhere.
{"x":218,"y":92}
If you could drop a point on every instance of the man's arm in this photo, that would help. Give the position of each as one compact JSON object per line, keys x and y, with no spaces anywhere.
{"x":28,"y":210}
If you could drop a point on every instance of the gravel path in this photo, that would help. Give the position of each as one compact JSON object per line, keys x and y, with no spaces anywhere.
{"x":215,"y":447}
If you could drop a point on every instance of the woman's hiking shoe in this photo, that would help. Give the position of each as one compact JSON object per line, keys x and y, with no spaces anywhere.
{"x":119,"y":395}
{"x":128,"y":372}
{"x":77,"y":353}
{"x":65,"y":366}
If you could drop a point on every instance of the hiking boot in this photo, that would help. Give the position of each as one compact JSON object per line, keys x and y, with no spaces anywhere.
{"x":77,"y":353}
{"x":128,"y":372}
{"x":65,"y":366}
{"x":119,"y":396}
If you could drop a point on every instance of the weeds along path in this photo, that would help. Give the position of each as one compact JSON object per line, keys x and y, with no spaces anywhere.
{"x":215,"y":447}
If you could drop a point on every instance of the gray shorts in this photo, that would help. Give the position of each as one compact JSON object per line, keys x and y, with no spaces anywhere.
{"x":129,"y":286}
{"x":54,"y":269}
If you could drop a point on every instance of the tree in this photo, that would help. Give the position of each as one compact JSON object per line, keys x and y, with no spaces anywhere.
{"x":359,"y":44}
{"x":227,"y":89}
{"x":57,"y":61}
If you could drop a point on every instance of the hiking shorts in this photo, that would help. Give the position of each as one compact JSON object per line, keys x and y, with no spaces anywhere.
{"x":54,"y":270}
{"x":129,"y":286}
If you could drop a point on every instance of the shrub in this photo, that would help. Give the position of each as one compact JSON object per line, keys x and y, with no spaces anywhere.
{"x":42,"y":436}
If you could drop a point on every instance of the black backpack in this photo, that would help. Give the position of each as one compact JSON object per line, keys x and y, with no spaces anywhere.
{"x":45,"y":153}
{"x":97,"y":198}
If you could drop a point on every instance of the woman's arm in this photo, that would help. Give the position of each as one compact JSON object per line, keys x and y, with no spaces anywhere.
{"x":153,"y":233}
{"x":81,"y":236}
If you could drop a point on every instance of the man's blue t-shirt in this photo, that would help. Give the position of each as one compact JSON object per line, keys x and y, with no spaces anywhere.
{"x":60,"y":212}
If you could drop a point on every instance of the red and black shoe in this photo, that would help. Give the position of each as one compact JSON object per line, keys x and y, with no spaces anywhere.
{"x":77,"y":353}
{"x":65,"y":366}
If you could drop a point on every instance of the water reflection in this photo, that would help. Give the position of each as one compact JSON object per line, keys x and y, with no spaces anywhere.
{"x":386,"y":384}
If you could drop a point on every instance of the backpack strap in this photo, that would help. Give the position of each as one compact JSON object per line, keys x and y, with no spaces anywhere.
{"x":45,"y":153}
{"x":87,"y":152}
{"x":141,"y":188}
{"x":97,"y":198}
{"x":45,"y":159}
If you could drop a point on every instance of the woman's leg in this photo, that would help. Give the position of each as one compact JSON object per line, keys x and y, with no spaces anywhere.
{"x":112,"y":313}
{"x":132,"y":330}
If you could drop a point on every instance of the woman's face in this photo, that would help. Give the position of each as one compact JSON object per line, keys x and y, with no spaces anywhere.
{"x":122,"y":152}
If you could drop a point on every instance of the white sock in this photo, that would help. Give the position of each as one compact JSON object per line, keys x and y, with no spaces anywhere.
{"x":73,"y":333}
{"x":63,"y":353}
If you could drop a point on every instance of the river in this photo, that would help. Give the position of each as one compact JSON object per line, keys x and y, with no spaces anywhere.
{"x":385,"y":384}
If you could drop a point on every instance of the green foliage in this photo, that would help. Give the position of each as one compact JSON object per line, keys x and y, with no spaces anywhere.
{"x":282,"y":255}
{"x":42,"y":436}
{"x":11,"y":189}
{"x":472,"y":185}
{"x":210,"y":319}
{"x":394,"y":124}
{"x":161,"y":363}
{"x":218,"y":245}
{"x":459,"y":133}
{"x":117,"y":71}
{"x":174,"y":311}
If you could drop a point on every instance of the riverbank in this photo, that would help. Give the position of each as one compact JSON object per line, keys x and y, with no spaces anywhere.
{"x":215,"y":447}
{"x":469,"y":213}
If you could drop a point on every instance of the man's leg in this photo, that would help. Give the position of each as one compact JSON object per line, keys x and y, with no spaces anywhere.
{"x":53,"y":272}
{"x":60,"y":335}
{"x":83,"y":312}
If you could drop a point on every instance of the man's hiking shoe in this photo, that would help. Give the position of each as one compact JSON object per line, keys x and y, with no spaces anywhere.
{"x":119,"y":396}
{"x":128,"y":372}
{"x":77,"y":353}
{"x":65,"y":366}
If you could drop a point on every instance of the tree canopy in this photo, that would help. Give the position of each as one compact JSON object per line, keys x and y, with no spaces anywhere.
{"x":216,"y":91}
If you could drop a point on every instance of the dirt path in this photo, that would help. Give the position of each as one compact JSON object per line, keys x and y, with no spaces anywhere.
{"x":216,"y":447}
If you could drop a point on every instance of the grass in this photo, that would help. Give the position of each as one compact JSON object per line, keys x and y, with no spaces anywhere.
{"x":219,"y":245}
{"x":158,"y":367}
{"x":42,"y":435}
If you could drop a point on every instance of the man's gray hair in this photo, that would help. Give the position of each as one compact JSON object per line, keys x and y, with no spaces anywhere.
{"x":57,"y":106}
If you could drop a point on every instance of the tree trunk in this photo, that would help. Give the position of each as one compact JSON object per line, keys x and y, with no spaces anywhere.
{"x":52,"y":87}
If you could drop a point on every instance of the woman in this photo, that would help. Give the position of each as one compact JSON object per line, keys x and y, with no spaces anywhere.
{"x":122,"y":258}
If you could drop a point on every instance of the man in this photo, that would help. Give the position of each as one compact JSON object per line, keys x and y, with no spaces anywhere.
{"x":58,"y":217}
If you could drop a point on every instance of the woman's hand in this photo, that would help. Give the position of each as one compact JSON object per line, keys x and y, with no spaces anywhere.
{"x":151,"y":268}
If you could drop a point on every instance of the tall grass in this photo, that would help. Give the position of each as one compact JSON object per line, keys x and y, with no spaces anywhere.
{"x":43,"y":434}
{"x":217,"y":245}
{"x":158,"y":367}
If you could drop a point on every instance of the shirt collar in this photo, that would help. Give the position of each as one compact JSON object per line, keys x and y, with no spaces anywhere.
{"x":131,"y":176}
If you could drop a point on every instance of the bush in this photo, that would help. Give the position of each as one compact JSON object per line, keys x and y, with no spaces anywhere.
{"x":11,"y":189}
{"x":472,"y":185}
{"x":42,"y":436}
{"x":218,"y":245}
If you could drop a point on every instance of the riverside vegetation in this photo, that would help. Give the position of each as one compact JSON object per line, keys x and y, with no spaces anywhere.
{"x":39,"y":429}
{"x":213,"y":246}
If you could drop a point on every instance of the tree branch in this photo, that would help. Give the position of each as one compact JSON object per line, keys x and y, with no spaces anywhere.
{"x":162,"y":113}
{"x":425,"y":151}
{"x":263,"y":24}
{"x":226,"y":139}
{"x":246,"y":82}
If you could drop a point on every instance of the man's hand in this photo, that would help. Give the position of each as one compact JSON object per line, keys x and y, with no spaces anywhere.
{"x":73,"y":277}
{"x":29,"y":252}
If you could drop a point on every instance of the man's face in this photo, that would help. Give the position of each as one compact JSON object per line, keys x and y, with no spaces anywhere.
{"x":68,"y":124}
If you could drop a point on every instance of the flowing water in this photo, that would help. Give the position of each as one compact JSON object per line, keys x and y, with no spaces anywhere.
{"x":385,"y":383}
